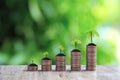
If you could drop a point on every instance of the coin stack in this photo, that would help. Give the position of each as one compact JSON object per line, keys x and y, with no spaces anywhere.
{"x":75,"y":60}
{"x":32,"y":67}
{"x":91,"y":57}
{"x":60,"y":62}
{"x":46,"y":64}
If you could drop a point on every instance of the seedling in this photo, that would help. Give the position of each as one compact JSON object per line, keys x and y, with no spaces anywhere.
{"x":76,"y":42}
{"x":45,"y":54}
{"x":32,"y":61}
{"x":61,"y":48}
{"x":91,"y":34}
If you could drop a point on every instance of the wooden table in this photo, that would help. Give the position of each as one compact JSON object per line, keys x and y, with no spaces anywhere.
{"x":18,"y":72}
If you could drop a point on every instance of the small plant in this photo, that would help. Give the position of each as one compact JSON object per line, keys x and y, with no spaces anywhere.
{"x":45,"y":54}
{"x":76,"y":42}
{"x":32,"y":61}
{"x":91,"y":34}
{"x":61,"y":48}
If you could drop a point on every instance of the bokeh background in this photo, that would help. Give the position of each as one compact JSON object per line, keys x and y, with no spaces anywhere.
{"x":28,"y":28}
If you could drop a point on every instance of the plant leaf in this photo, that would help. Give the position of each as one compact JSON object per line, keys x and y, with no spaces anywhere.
{"x":45,"y":54}
{"x":61,"y":48}
{"x":94,"y":33}
{"x":77,"y":41}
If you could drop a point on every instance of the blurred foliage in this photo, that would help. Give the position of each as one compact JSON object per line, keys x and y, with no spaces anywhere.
{"x":30,"y":27}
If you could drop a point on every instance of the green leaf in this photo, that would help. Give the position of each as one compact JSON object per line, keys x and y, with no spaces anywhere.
{"x":94,"y":33}
{"x":91,"y":34}
{"x":45,"y":54}
{"x":61,"y":48}
{"x":76,"y":42}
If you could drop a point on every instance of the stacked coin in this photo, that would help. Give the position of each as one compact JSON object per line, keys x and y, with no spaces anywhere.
{"x":32,"y":67}
{"x":60,"y":62}
{"x":91,"y":57}
{"x":75,"y":60}
{"x":46,"y":64}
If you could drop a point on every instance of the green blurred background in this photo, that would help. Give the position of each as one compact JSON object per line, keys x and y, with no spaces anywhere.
{"x":28,"y":28}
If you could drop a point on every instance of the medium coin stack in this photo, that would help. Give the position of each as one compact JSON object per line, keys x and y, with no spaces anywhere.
{"x":32,"y":67}
{"x":60,"y":62}
{"x":91,"y":57}
{"x":75,"y":60}
{"x":46,"y":64}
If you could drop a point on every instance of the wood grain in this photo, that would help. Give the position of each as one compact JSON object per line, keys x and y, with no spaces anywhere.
{"x":18,"y":72}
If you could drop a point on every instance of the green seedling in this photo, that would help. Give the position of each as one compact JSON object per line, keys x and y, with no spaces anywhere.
{"x":91,"y":34}
{"x":45,"y":54}
{"x":61,"y":48}
{"x":76,"y":42}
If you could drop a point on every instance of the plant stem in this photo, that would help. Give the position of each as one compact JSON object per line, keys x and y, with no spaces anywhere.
{"x":60,"y":51}
{"x":32,"y":61}
{"x":75,"y":45}
{"x":91,"y":37}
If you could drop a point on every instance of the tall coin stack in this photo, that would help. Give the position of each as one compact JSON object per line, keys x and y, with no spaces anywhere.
{"x":91,"y":57}
{"x":75,"y":60}
{"x":46,"y":64}
{"x":60,"y":62}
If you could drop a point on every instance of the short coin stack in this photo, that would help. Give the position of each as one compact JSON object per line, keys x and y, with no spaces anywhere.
{"x":91,"y":57}
{"x":75,"y":60}
{"x":32,"y":67}
{"x":46,"y":64}
{"x":60,"y":62}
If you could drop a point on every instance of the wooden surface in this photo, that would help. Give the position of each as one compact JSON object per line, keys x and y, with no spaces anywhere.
{"x":18,"y":72}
